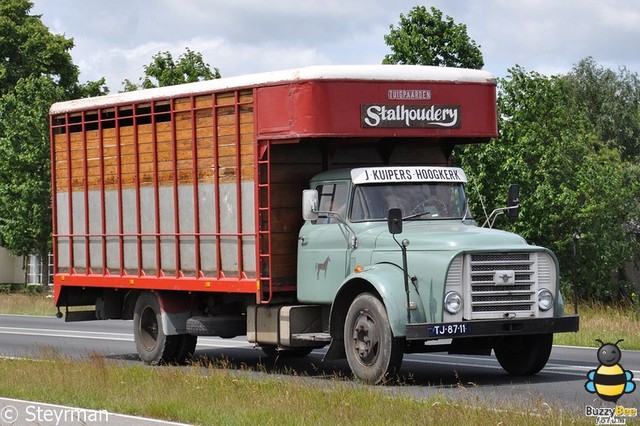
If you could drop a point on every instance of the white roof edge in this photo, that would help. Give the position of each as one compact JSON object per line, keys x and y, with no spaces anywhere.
{"x":320,"y":72}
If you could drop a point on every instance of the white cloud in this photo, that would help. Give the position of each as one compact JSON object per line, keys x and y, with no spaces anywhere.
{"x":115,"y":39}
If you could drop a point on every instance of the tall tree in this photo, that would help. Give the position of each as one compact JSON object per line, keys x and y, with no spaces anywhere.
{"x":164,"y":71}
{"x":25,"y":193}
{"x":28,"y":49}
{"x":570,"y":180}
{"x":425,"y":38}
{"x":612,"y":102}
{"x":36,"y":69}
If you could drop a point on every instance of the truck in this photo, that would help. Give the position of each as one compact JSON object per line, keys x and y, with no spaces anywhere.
{"x":301,"y":208}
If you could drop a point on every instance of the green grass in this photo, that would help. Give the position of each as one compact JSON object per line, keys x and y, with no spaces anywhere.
{"x":27,"y":303}
{"x":607,"y":323}
{"x":209,"y":395}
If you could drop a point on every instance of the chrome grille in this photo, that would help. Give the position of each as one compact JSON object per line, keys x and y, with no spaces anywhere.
{"x":502,"y":283}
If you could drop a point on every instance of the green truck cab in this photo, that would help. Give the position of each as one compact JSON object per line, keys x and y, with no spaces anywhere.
{"x":403,"y":240}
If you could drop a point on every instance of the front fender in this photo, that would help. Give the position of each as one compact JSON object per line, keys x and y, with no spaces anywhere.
{"x":388,"y":281}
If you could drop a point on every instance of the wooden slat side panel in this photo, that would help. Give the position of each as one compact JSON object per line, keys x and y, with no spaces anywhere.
{"x":229,"y":131}
{"x":291,"y":168}
{"x":177,"y":185}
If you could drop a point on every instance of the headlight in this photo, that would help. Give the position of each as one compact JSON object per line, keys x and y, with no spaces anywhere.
{"x":545,"y":299}
{"x":452,"y":302}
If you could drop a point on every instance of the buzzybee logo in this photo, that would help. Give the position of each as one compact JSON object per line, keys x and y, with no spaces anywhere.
{"x":610,"y":381}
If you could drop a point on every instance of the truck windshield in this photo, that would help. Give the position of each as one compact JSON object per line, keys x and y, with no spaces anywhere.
{"x":419,"y":201}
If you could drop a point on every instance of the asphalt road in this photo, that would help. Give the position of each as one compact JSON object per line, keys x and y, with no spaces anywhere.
{"x":470,"y":378}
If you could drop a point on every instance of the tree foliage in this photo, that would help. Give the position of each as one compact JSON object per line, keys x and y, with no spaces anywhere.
{"x":425,"y":38}
{"x":28,"y":49}
{"x":612,"y":103}
{"x":571,"y":181}
{"x":36,"y":70}
{"x":90,"y":88}
{"x":571,"y":142}
{"x":25,"y":174}
{"x":164,"y":71}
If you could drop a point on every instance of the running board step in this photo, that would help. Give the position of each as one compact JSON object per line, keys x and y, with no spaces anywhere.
{"x":312,"y":337}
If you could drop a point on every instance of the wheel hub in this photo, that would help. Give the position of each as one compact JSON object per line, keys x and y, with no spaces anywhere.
{"x":148,"y":328}
{"x":366,"y":338}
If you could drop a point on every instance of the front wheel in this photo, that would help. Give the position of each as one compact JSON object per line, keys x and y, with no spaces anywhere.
{"x":373,"y":353}
{"x":524,"y":355}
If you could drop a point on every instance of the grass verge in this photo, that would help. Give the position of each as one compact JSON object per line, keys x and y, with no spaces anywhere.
{"x":209,"y":395}
{"x":607,"y":323}
{"x":27,"y":303}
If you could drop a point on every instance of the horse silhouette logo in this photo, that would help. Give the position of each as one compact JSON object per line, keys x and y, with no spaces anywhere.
{"x":322,"y":267}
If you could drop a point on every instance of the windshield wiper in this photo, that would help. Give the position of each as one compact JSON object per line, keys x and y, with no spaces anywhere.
{"x":415,"y":215}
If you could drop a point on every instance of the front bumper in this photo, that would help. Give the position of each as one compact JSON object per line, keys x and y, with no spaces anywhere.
{"x":493,"y":328}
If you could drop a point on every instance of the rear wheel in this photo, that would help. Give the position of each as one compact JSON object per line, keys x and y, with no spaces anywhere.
{"x":185,"y":348}
{"x":524,"y":355}
{"x":373,"y":354}
{"x":153,"y":346}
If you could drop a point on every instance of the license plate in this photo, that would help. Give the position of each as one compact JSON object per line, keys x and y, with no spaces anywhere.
{"x":449,"y":329}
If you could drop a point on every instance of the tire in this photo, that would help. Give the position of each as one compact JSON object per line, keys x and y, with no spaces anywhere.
{"x":185,"y":348}
{"x":373,"y":354}
{"x":524,"y":355}
{"x":153,"y":346}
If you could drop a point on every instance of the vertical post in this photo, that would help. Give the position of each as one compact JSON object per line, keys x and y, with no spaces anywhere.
{"x":70,"y":195}
{"x":119,"y":165}
{"x":216,"y":183}
{"x":85,"y":193}
{"x":54,"y":194}
{"x":405,"y":272}
{"x":156,"y":188}
{"x":176,"y":193}
{"x":576,"y":239}
{"x":136,"y":170}
{"x":103,"y":208}
{"x":195,"y":183}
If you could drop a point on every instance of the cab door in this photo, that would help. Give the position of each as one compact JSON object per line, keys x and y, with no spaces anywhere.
{"x":323,"y":247}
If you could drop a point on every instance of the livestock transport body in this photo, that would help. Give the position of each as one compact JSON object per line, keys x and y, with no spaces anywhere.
{"x":301,"y":208}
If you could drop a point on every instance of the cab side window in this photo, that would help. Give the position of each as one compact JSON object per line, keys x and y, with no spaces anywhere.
{"x":332,"y":198}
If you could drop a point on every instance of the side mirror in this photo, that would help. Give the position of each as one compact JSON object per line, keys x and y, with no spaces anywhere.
{"x":310,"y":204}
{"x":513,"y":202}
{"x":394,"y":221}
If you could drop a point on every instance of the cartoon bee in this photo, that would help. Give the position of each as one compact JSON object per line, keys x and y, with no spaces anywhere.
{"x":609,"y":381}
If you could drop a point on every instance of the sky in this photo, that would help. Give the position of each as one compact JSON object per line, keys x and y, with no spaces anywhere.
{"x":116,"y":39}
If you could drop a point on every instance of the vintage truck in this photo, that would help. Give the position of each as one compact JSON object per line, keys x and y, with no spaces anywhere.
{"x":301,"y":208}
